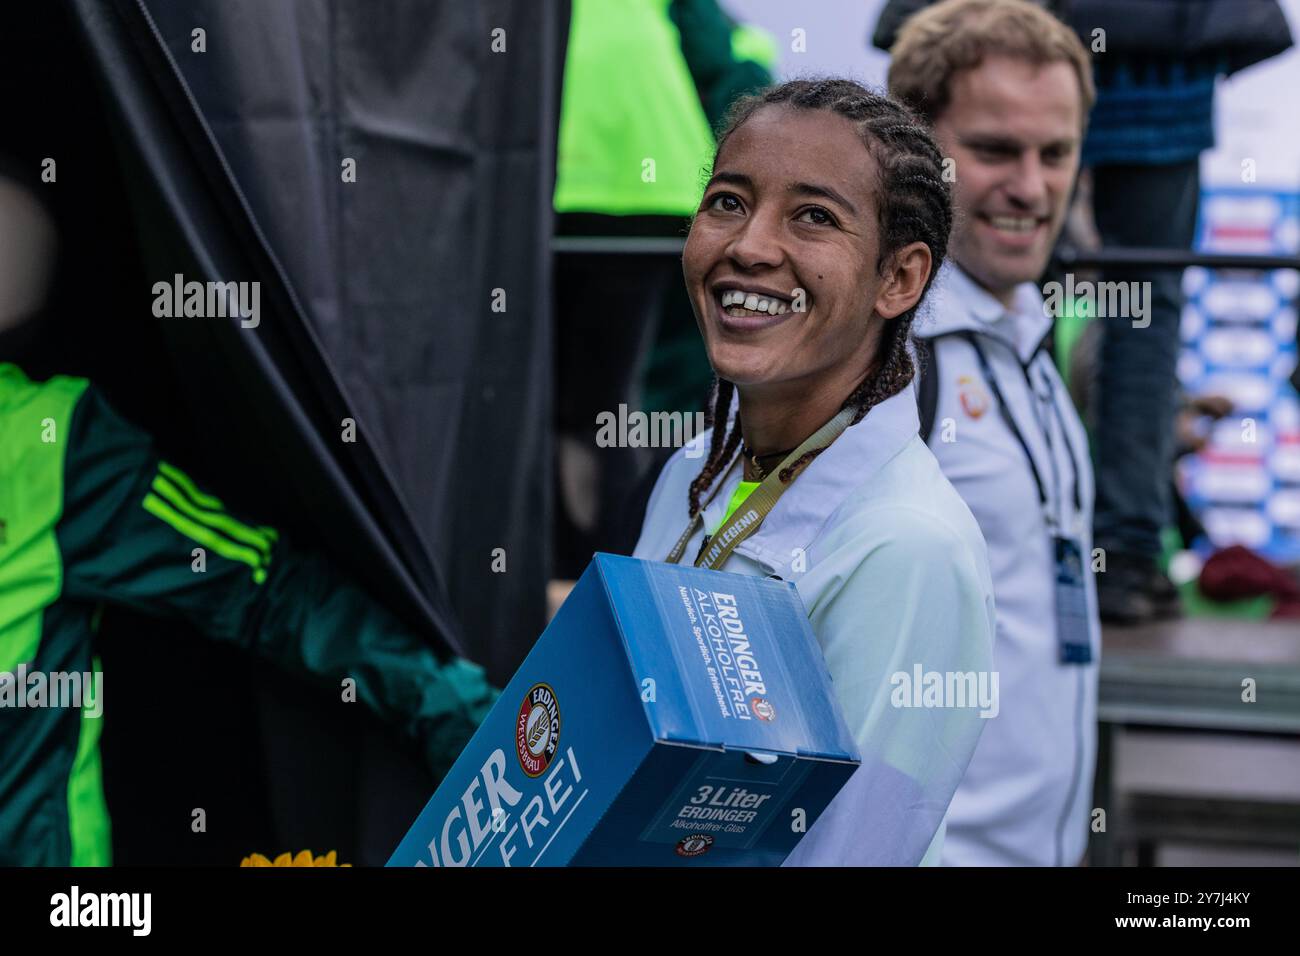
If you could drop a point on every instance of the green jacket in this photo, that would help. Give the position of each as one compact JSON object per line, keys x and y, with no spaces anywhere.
{"x":633,"y":137}
{"x":89,"y":515}
{"x":644,"y":81}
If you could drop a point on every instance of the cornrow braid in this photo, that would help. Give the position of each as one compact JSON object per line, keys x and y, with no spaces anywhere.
{"x":718,"y":451}
{"x":913,"y":203}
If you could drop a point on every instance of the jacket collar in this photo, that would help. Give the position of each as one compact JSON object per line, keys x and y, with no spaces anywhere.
{"x":849,"y":462}
{"x":957,"y":303}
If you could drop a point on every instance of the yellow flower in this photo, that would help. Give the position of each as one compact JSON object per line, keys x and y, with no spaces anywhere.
{"x":287,"y":859}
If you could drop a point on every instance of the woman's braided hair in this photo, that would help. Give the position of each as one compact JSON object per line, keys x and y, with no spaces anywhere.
{"x":913,"y":203}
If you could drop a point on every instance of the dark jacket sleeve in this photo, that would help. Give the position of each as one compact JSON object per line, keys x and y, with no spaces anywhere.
{"x":896,"y":12}
{"x":719,"y":77}
{"x":891,"y":20}
{"x":1239,"y":33}
{"x":136,"y":531}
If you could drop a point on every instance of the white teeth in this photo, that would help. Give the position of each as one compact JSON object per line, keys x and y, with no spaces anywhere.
{"x":1013,"y":223}
{"x":753,"y":302}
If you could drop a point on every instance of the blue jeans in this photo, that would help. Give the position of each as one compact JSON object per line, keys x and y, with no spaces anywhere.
{"x":1153,"y":207}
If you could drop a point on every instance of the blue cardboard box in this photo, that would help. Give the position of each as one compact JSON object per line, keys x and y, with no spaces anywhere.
{"x":668,"y":716}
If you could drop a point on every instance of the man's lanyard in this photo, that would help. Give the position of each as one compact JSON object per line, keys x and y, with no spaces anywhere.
{"x":716,"y":548}
{"x":1005,"y":410}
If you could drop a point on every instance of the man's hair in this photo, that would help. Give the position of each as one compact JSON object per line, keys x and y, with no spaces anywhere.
{"x":913,"y":204}
{"x":941,"y":41}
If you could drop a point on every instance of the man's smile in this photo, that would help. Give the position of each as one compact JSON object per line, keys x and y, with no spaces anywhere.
{"x":1015,"y":231}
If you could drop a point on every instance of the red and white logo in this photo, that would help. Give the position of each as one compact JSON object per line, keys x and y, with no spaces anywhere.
{"x":694,"y":845}
{"x":974,"y":400}
{"x":762,"y":708}
{"x":537,"y":729}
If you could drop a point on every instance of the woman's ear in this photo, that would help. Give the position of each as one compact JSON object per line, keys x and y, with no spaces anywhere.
{"x":907,"y":272}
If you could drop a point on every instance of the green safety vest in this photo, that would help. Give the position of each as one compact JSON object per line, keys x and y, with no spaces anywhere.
{"x":633,"y":136}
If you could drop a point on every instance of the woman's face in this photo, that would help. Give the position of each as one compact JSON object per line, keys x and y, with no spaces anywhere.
{"x":788,"y":223}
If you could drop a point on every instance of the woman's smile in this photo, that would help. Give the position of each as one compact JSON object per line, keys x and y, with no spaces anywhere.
{"x":745,"y":307}
{"x":746,"y":321}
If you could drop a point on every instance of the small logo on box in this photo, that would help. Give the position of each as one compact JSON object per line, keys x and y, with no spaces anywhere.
{"x":762,"y":708}
{"x":694,"y":845}
{"x":537,"y":729}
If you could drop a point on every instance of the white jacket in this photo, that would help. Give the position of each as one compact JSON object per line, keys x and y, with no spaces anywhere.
{"x":892,"y":570}
{"x":1026,"y":796}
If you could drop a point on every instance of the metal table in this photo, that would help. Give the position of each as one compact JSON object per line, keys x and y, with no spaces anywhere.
{"x":1186,"y":676}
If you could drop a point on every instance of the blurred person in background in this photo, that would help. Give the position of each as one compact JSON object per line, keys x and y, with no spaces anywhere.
{"x":1007,"y":89}
{"x":1156,"y":63}
{"x":1196,"y":415}
{"x":644,"y":82}
{"x":90,"y":515}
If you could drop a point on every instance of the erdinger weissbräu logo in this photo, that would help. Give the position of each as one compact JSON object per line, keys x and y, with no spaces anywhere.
{"x":762,"y":708}
{"x":694,"y":845}
{"x":537,"y":729}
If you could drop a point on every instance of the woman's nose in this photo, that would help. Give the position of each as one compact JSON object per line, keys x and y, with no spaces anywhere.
{"x":756,"y":242}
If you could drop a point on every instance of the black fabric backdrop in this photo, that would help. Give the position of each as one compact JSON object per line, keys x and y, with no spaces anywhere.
{"x":376,"y":305}
{"x":395,"y":272}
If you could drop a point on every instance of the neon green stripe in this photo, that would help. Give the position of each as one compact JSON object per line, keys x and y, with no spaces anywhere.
{"x":217,"y":520}
{"x":88,"y":823}
{"x":204,"y":535}
{"x":743,"y":491}
{"x":205,"y":500}
{"x":201,"y":498}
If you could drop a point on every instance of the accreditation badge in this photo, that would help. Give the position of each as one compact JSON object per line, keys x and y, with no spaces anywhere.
{"x":1073,"y":635}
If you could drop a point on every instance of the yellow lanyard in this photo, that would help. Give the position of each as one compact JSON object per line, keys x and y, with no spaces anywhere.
{"x":746,"y":519}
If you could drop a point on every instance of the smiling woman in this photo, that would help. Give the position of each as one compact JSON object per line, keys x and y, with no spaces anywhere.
{"x":823,"y":223}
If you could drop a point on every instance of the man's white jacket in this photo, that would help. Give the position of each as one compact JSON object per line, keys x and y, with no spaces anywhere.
{"x":1026,"y":796}
{"x":893,"y":573}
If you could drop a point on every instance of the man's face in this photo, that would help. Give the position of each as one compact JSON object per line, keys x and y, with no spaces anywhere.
{"x":1013,"y":129}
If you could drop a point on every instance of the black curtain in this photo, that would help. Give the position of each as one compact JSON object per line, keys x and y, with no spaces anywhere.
{"x":376,"y":299}
{"x":397,"y":272}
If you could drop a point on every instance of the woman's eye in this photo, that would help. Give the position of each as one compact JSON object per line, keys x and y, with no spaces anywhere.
{"x":817,"y":216}
{"x":725,"y":202}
